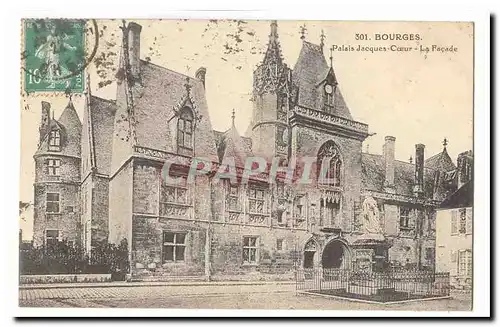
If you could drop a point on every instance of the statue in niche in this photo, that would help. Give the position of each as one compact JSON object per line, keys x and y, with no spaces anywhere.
{"x":370,"y":218}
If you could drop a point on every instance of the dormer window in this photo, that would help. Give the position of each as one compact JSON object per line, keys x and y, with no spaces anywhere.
{"x":55,"y":140}
{"x":329,"y":96}
{"x":185,"y":129}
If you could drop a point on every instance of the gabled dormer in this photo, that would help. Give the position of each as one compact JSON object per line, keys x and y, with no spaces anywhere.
{"x":326,"y":89}
{"x":60,"y":136}
{"x":318,"y":86}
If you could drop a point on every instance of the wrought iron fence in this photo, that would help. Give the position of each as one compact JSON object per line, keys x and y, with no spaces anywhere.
{"x":379,"y":286}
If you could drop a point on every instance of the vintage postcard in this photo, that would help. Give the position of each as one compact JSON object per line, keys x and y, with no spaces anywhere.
{"x":247,"y":164}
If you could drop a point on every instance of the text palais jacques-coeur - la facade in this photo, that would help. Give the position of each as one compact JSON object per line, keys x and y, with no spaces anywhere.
{"x":102,"y":179}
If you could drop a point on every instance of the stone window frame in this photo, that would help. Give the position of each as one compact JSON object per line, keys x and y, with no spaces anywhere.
{"x":186,"y":118}
{"x":55,"y":140}
{"x":53,"y":167}
{"x":464,"y":263}
{"x":58,"y":202}
{"x":57,"y":238}
{"x":233,"y":196}
{"x":330,"y":149}
{"x":257,"y":200}
{"x":175,"y":244}
{"x":454,"y":222}
{"x":407,"y":218}
{"x":249,"y":247}
{"x":176,"y":188}
{"x":462,"y":221}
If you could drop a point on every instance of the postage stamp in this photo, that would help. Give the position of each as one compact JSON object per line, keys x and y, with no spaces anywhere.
{"x":54,"y":55}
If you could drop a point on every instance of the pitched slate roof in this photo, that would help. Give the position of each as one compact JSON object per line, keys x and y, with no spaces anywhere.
{"x":461,"y":198}
{"x":373,"y":175}
{"x":441,"y":161}
{"x":70,"y":129}
{"x":231,"y":144}
{"x":156,"y":104}
{"x":102,"y":116}
{"x":311,"y":69}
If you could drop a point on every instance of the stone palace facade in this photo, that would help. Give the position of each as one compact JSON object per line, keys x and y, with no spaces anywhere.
{"x":99,"y":179}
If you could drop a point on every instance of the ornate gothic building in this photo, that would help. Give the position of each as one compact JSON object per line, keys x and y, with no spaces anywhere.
{"x":102,"y":180}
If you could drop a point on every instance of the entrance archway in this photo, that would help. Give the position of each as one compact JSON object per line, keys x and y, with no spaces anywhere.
{"x":310,"y":254}
{"x":335,"y":255}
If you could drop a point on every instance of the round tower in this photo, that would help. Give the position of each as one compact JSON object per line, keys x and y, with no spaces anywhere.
{"x":57,"y":177}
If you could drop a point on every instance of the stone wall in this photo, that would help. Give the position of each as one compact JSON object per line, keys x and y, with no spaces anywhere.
{"x":67,"y":221}
{"x":100,"y":209}
{"x":120,"y":205}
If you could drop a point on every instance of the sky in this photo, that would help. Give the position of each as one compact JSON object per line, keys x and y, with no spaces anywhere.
{"x":414,"y":97}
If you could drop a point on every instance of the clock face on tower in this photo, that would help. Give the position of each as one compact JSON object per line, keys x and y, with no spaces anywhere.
{"x":328,"y":89}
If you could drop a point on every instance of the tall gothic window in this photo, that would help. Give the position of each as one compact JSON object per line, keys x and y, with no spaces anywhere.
{"x":185,"y":129}
{"x":329,"y":165}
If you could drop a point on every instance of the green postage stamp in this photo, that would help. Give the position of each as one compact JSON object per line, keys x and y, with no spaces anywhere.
{"x":54,"y":55}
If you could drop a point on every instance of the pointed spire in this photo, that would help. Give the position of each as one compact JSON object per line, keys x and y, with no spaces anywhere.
{"x":303,"y":31}
{"x":322,"y":40}
{"x":70,"y":102}
{"x":233,"y":115}
{"x":273,"y":36}
{"x":331,"y":57}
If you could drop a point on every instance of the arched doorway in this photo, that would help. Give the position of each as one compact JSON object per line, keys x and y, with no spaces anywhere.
{"x":310,"y":254}
{"x":335,"y":255}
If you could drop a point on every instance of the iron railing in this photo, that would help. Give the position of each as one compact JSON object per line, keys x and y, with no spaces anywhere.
{"x":384,"y":286}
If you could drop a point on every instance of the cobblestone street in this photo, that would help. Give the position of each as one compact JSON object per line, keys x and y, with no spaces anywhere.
{"x":214,"y":297}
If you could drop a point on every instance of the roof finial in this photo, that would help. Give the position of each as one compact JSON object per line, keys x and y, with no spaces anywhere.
{"x":303,"y":31}
{"x":331,"y":57}
{"x":188,"y":86}
{"x":411,"y":159}
{"x":445,"y":143}
{"x":322,"y":39}
{"x":233,"y":115}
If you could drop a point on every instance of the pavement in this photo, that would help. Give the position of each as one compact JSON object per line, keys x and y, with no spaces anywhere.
{"x":209,"y":295}
{"x":147,"y":284}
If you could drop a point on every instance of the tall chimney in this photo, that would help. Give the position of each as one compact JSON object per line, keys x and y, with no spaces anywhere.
{"x":45,"y":122}
{"x":464,"y":167}
{"x":134,"y":49}
{"x":388,"y":150}
{"x":200,"y":74}
{"x":418,"y":189}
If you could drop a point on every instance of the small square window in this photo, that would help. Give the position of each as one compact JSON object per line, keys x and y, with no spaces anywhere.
{"x":174,"y":246}
{"x":53,"y":167}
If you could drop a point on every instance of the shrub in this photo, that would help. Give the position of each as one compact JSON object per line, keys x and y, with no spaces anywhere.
{"x":68,"y":258}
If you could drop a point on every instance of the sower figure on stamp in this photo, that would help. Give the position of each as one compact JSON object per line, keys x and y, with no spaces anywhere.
{"x":50,"y":52}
